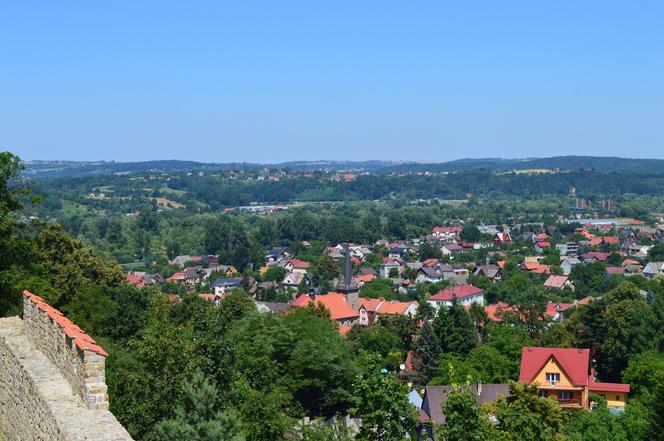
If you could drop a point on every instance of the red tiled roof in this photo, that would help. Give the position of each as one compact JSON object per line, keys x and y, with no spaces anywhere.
{"x":611,"y":240}
{"x":452,"y":230}
{"x":460,"y":292}
{"x":494,"y":311}
{"x":552,"y":308}
{"x":608,"y":387}
{"x":615,"y":270}
{"x":365,"y":278}
{"x":575,"y":363}
{"x":335,"y":302}
{"x":371,"y":304}
{"x":394,"y":307}
{"x":556,"y":281}
{"x":543,"y":244}
{"x":299,"y":264}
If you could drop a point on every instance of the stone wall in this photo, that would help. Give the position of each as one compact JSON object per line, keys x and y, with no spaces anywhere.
{"x":52,"y":381}
{"x":80,"y":360}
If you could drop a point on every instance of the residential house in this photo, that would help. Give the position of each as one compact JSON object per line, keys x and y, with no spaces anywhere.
{"x":428,"y":274}
{"x":566,"y":375}
{"x":450,"y":249}
{"x":465,"y":295}
{"x":542,"y":246}
{"x":292,"y":280}
{"x":367,"y":310}
{"x":535,"y":268}
{"x":387,"y":266}
{"x":446,"y":232}
{"x":558,"y":282}
{"x":568,"y":249}
{"x":183,"y":259}
{"x":297,"y":266}
{"x":435,"y":398}
{"x":502,"y":239}
{"x":614,"y":271}
{"x":272,"y":307}
{"x":566,"y":263}
{"x":222,"y":285}
{"x":490,"y":271}
{"x":361,"y":279}
{"x":393,"y":307}
{"x":653,"y":269}
{"x":556,"y":311}
{"x":594,"y":256}
{"x":371,"y":309}
{"x":340,"y":310}
{"x":277,"y":254}
{"x":142,"y":279}
{"x":365,"y":270}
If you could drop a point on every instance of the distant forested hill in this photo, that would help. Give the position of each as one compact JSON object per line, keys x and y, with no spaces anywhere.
{"x":52,"y":169}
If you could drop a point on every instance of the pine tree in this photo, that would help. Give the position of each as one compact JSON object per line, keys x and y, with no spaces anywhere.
{"x":199,"y":418}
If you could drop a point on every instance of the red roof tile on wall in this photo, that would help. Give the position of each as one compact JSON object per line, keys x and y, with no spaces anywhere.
{"x":81,"y":339}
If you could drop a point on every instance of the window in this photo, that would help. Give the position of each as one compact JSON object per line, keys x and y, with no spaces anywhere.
{"x":565,"y":395}
{"x":617,"y":397}
{"x":552,"y":377}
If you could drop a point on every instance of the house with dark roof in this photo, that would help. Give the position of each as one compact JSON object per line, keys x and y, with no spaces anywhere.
{"x":222,"y":285}
{"x":566,"y":375}
{"x":428,"y":274}
{"x":435,"y":398}
{"x":489,"y":271}
{"x":272,"y":307}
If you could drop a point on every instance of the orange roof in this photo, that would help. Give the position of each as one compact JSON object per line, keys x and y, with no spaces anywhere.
{"x":537,"y":268}
{"x":501,"y":264}
{"x":365,"y":278}
{"x":494,"y":311}
{"x":395,"y":308}
{"x":595,"y":241}
{"x":430,"y":262}
{"x":611,"y":240}
{"x":371,"y":305}
{"x":335,"y":302}
{"x":345,"y":329}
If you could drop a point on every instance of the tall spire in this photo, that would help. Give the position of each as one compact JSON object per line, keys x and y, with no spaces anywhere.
{"x":347,"y":287}
{"x":348,"y":272}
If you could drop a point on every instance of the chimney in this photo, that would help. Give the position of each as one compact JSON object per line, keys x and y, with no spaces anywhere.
{"x":479,"y":388}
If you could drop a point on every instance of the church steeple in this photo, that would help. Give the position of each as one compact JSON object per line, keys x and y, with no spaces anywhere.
{"x":347,"y":287}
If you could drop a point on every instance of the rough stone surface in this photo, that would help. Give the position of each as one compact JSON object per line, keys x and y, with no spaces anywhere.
{"x":38,"y":402}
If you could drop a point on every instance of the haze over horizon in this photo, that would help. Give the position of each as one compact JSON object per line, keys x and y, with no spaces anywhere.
{"x":269,"y":83}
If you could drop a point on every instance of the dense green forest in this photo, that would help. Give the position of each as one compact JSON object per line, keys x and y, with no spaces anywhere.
{"x":190,"y":371}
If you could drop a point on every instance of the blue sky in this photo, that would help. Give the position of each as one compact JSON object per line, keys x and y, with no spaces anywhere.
{"x":276,"y":81}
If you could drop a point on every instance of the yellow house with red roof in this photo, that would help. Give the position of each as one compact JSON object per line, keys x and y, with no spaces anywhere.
{"x":565,"y":374}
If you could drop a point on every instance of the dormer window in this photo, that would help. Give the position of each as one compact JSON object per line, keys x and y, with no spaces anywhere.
{"x":553,"y":377}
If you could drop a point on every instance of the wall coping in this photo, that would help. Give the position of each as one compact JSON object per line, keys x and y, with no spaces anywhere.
{"x":82,"y":340}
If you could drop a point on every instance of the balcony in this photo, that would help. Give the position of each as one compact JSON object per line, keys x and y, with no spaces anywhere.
{"x":574,"y":402}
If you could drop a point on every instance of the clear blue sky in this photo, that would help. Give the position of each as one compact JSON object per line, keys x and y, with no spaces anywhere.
{"x":282,"y":80}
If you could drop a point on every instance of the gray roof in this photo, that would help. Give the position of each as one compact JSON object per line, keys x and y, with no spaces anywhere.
{"x":272,"y":307}
{"x":436,"y":396}
{"x":226,"y":283}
